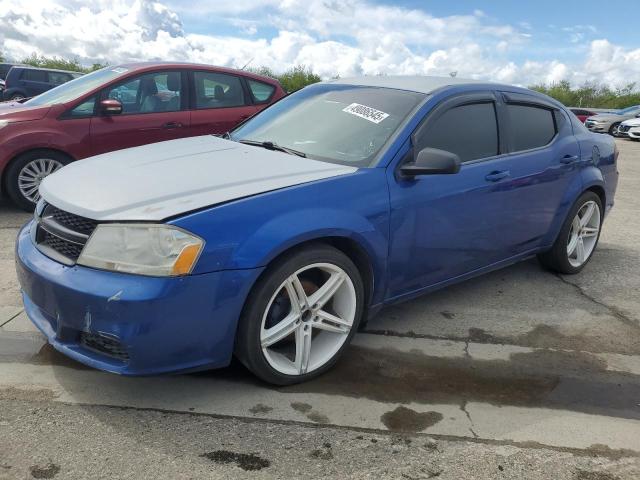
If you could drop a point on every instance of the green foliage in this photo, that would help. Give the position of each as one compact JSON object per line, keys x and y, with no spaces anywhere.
{"x":60,"y":63}
{"x":293,"y":79}
{"x":591,"y":94}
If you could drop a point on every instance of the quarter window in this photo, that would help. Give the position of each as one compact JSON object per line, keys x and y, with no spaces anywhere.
{"x":261,"y":91}
{"x":530,"y":127}
{"x":470,"y":131}
{"x":85,"y":109}
{"x":217,"y":90}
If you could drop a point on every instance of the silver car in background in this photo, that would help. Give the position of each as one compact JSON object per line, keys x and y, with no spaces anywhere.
{"x":610,"y":122}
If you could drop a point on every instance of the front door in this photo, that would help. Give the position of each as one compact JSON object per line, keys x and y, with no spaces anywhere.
{"x":154,"y":110}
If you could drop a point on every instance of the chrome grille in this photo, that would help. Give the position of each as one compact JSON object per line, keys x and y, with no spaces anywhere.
{"x":62,"y":235}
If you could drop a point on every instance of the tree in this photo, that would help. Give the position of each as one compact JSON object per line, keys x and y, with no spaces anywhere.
{"x":60,"y":63}
{"x":291,"y":80}
{"x":591,"y":94}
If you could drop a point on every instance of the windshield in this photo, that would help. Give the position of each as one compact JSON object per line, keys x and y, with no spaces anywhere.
{"x":629,"y":110}
{"x":76,"y":88}
{"x":342,"y":124}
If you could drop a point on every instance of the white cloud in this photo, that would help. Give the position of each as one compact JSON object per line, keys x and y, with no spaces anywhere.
{"x":348,"y":37}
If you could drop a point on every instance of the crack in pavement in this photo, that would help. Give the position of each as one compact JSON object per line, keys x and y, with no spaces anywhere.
{"x":613,"y":310}
{"x":463,"y":407}
{"x":14,"y":316}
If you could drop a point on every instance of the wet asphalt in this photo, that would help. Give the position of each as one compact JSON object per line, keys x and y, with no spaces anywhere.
{"x":536,"y":373}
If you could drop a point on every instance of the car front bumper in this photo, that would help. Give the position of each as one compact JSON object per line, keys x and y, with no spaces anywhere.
{"x":597,"y":127}
{"x":132,"y":324}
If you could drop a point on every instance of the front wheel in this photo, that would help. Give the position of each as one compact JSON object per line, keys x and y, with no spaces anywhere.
{"x":578,"y":237}
{"x":300,"y":316}
{"x":27,"y":171}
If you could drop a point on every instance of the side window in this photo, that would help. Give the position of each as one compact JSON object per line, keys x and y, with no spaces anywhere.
{"x":34,"y":75}
{"x":530,"y":126}
{"x":85,"y":109}
{"x":470,"y":131}
{"x":217,"y":90}
{"x":58,"y":78}
{"x":261,"y":91}
{"x":149,"y":93}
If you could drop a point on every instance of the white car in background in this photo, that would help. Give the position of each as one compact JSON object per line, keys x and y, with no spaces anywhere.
{"x":630,"y":129}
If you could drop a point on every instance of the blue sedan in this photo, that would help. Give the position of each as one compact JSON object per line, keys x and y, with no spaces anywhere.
{"x":277,"y":241}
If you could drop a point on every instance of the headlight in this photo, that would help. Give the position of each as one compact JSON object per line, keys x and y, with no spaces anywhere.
{"x":146,"y":249}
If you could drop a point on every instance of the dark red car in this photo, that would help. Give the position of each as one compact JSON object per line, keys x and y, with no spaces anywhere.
{"x":582,"y":114}
{"x":121,"y":107}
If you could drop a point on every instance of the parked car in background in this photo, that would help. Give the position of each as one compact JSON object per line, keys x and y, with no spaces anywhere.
{"x":26,"y":82}
{"x":583,"y":114}
{"x":121,"y":107}
{"x":609,"y":122}
{"x":275,"y":243}
{"x":630,"y":129}
{"x":5,"y":67}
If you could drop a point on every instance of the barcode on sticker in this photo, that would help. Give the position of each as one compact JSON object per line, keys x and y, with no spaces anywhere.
{"x":368,"y":113}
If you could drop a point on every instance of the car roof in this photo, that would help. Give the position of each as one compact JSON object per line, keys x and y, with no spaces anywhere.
{"x":151,"y":65}
{"x":31,"y":67}
{"x":415,"y":83}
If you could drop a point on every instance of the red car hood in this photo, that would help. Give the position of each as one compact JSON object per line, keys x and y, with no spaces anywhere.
{"x":18,"y":112}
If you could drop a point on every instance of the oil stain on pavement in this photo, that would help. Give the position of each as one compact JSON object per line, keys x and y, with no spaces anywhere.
{"x":403,"y":419}
{"x":575,"y":381}
{"x":246,"y":461}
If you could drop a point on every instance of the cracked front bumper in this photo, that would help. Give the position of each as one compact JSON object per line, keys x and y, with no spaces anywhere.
{"x":131,"y":324}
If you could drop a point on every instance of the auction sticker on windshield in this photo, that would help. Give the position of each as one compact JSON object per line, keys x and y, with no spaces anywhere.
{"x":368,"y":113}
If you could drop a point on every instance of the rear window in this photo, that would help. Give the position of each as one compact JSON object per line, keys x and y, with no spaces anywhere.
{"x":530,"y":127}
{"x":34,"y":75}
{"x":469,"y":131}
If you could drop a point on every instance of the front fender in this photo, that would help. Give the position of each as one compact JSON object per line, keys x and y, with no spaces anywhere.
{"x":251,"y":232}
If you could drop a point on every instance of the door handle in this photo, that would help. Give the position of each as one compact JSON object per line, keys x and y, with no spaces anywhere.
{"x":170,"y":125}
{"x":568,"y":159}
{"x":497,"y":175}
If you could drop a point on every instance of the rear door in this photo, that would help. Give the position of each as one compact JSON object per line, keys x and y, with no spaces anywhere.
{"x":219,"y":102}
{"x":154,"y":110}
{"x":544,"y":159}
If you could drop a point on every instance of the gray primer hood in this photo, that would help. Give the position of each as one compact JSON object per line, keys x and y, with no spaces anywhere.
{"x":161,"y":180}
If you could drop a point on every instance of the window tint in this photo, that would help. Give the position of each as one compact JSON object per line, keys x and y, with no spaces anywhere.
{"x":217,"y":90}
{"x":34,"y":75}
{"x":58,"y":78}
{"x":85,"y":109}
{"x":261,"y":91}
{"x":149,"y":93}
{"x":469,"y":131}
{"x":530,"y":127}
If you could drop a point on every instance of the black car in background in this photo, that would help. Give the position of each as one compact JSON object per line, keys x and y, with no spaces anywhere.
{"x":25,"y":81}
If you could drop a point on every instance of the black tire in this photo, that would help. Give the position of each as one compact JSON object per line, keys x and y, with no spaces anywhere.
{"x":557,"y":258}
{"x":613,"y":129}
{"x":248,"y":347}
{"x":15,"y":167}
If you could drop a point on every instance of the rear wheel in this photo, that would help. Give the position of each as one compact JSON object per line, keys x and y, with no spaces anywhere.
{"x":300,"y":316}
{"x":578,"y":237}
{"x":614,"y":129}
{"x":27,"y":171}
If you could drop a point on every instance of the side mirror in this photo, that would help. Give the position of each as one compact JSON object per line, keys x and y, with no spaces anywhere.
{"x":110,"y":106}
{"x":431,"y":161}
{"x":638,"y":115}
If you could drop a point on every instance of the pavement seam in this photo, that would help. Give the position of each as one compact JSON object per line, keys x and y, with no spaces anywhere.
{"x":591,"y":451}
{"x":463,"y":407}
{"x":613,"y":310}
{"x":14,"y":316}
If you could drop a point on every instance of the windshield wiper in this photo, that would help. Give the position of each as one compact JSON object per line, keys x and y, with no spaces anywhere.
{"x":273,"y":146}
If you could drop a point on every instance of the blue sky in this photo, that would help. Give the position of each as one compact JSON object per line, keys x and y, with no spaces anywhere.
{"x":509,"y":41}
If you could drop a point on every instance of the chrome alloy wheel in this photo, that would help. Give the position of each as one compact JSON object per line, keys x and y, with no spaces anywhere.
{"x":308,"y":319}
{"x":583,"y":235}
{"x":33,"y":173}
